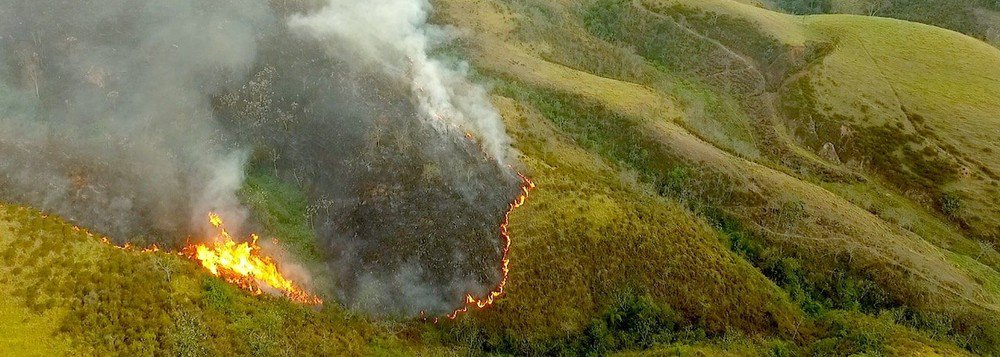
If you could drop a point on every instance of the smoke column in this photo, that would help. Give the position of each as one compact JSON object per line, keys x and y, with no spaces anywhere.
{"x":393,"y":36}
{"x":105,"y":110}
{"x":434,"y":237}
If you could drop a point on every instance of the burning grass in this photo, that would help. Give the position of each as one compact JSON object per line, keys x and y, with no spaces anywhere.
{"x":245,"y":265}
{"x":99,"y":299}
{"x":242,"y":264}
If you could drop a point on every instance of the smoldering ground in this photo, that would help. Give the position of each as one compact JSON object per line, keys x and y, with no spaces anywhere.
{"x":406,"y":206}
{"x":137,"y":117}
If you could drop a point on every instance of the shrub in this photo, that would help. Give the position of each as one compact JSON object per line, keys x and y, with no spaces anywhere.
{"x":634,"y":321}
{"x":950,"y":204}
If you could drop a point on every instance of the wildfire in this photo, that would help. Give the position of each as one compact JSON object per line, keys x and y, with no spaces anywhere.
{"x":244,"y":265}
{"x":472,"y":302}
{"x":241,"y":264}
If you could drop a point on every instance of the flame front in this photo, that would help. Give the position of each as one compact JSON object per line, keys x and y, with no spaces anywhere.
{"x":241,"y":264}
{"x":244,"y":265}
{"x":472,"y":302}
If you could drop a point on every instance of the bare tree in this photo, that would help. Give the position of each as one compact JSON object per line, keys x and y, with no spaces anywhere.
{"x":164,"y":267}
{"x":993,"y":35}
{"x":985,"y":248}
{"x":876,"y":7}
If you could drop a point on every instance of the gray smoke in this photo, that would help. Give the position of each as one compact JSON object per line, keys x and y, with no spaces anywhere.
{"x":418,"y":226}
{"x":111,"y":122}
{"x":138,"y":117}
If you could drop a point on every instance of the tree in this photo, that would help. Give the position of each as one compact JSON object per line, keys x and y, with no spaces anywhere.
{"x":993,"y":35}
{"x":876,"y":7}
{"x":804,"y":7}
{"x":985,"y":248}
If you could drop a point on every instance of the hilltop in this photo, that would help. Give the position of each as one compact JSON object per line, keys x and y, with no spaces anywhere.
{"x":976,"y":18}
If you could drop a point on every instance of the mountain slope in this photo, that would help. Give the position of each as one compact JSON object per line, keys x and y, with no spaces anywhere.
{"x":976,"y":18}
{"x":771,"y":201}
{"x":930,"y":109}
{"x":714,"y":177}
{"x":73,"y":294}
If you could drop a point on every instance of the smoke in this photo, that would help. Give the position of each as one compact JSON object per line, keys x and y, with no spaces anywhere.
{"x":393,"y":36}
{"x":113,"y":125}
{"x":138,"y":117}
{"x":414,"y":223}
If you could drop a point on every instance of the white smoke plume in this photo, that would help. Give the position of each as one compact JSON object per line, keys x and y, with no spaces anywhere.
{"x":394,"y":37}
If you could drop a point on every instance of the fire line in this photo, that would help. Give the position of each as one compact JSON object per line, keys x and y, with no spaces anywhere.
{"x":241,"y":264}
{"x":473,"y":303}
{"x":246,"y":266}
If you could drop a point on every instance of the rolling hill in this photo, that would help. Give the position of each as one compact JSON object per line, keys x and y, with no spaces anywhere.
{"x":713,"y":177}
{"x":978,"y":19}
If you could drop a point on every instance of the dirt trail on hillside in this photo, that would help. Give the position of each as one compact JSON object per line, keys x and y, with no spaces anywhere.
{"x":762,"y":104}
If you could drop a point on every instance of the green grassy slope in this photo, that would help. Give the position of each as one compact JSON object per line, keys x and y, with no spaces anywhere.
{"x":793,"y":230}
{"x":66,"y":292}
{"x":939,"y":155}
{"x":935,"y":91}
{"x":874,"y":91}
{"x":932,"y":89}
{"x":25,"y":333}
{"x":591,"y":234}
{"x":685,"y":201}
{"x":976,"y":18}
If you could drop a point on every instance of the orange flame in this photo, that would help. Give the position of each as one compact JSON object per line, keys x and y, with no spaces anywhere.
{"x":472,"y":302}
{"x":244,"y":265}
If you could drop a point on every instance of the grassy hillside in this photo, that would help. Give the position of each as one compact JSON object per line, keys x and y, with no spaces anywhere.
{"x":930,"y":108}
{"x":938,"y":104}
{"x":976,"y":18}
{"x":66,"y":292}
{"x":782,"y":211}
{"x":714,"y":177}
